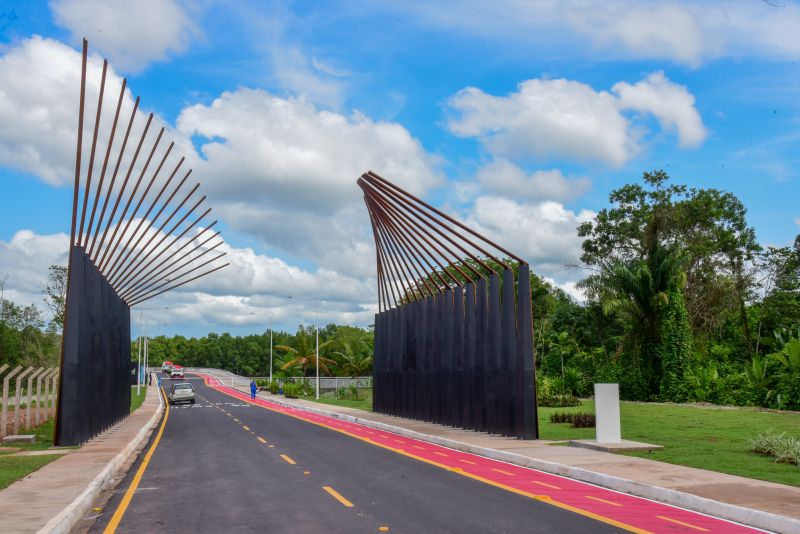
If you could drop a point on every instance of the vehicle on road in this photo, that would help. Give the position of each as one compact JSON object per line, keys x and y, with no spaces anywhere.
{"x":181,"y":392}
{"x":176,"y":372}
{"x":166,"y":367}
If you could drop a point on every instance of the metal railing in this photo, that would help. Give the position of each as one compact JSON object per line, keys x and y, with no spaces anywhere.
{"x":327,"y":383}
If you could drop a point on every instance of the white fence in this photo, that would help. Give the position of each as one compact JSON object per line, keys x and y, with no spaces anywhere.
{"x":32,"y":387}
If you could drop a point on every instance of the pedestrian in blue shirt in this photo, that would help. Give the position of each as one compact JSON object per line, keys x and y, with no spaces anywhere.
{"x":253,"y":389}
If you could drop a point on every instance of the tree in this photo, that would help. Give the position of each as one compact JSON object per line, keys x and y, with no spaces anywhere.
{"x":356,"y":360}
{"x":55,"y":295}
{"x":303,"y":354}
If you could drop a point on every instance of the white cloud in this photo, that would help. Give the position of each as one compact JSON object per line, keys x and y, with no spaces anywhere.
{"x":131,"y":34}
{"x":543,"y":233}
{"x":568,"y":119}
{"x":685,"y":32}
{"x":507,"y":179}
{"x":671,"y":104}
{"x":312,"y":78}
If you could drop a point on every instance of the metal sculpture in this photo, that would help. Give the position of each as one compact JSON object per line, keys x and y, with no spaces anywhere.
{"x":122,"y":252}
{"x":454,"y":332}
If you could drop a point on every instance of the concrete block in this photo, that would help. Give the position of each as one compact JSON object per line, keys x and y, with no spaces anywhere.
{"x":606,"y":409}
{"x":622,"y":446}
{"x":20,"y":438}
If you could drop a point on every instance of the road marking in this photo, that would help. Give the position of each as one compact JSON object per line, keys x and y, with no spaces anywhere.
{"x":338,"y":496}
{"x":545,"y":484}
{"x":126,"y":499}
{"x":441,"y":454}
{"x":272,"y":446}
{"x":540,"y":498}
{"x":418,"y":447}
{"x":288,"y":460}
{"x":503,"y":472}
{"x":598,"y":499}
{"x":306,"y":473}
{"x":400,"y":441}
{"x":246,"y":427}
{"x":262,"y":440}
{"x":467,"y":461}
{"x":665,"y":518}
{"x":383,"y":529}
{"x":236,"y":420}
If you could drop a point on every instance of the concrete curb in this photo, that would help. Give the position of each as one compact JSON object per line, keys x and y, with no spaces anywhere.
{"x":74,"y":511}
{"x":732,"y":512}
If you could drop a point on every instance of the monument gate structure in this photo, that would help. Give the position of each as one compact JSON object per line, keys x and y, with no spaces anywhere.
{"x":454,"y":332}
{"x":129,"y":242}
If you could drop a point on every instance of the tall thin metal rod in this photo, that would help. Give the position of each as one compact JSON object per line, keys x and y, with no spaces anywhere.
{"x":385,"y":268}
{"x":94,"y":146}
{"x":149,"y":276}
{"x":105,"y":163}
{"x":126,"y":270}
{"x":394,"y":272}
{"x":113,"y":265}
{"x":406,"y":272}
{"x":111,"y":184}
{"x":80,"y":145}
{"x":111,"y":246}
{"x":122,"y":189}
{"x":167,"y":279}
{"x":382,"y":302}
{"x":139,"y":301}
{"x":453,"y":221}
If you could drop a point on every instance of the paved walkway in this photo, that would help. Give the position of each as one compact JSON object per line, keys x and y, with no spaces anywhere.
{"x":651,"y":477}
{"x":63,"y":487}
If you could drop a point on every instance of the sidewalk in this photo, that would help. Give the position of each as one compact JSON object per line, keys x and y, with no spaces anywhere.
{"x":56,"y":496}
{"x":757,"y":503}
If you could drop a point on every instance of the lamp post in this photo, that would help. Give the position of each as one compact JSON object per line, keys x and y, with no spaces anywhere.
{"x":144,"y":351}
{"x":316,"y":328}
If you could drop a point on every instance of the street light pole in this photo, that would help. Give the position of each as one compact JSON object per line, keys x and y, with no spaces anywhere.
{"x":316,"y":320}
{"x":270,"y":351}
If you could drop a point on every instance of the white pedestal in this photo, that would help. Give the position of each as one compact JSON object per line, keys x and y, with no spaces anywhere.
{"x":606,"y":409}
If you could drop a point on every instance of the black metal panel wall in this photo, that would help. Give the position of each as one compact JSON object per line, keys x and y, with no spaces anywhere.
{"x":462,"y":358}
{"x":94,"y":389}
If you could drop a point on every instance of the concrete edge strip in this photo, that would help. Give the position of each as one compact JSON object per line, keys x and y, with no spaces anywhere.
{"x":74,"y":511}
{"x":703,"y":505}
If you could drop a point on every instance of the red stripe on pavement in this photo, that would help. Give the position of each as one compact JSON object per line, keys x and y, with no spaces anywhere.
{"x":625,"y":511}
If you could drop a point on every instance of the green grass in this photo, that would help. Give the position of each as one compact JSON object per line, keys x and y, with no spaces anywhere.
{"x":13,"y":468}
{"x":364,"y":401}
{"x":708,"y":438}
{"x":137,"y":400}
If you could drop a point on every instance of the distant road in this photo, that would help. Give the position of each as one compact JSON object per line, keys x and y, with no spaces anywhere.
{"x":226,"y":465}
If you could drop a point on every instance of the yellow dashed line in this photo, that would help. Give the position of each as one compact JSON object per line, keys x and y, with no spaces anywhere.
{"x":306,"y":473}
{"x":336,"y":495}
{"x":598,"y":499}
{"x":503,"y":472}
{"x":545,"y":484}
{"x":681,"y":523}
{"x":383,"y":529}
{"x":246,"y":427}
{"x":272,"y":446}
{"x":235,"y":419}
{"x":262,"y":440}
{"x":288,"y":460}
{"x":467,"y":461}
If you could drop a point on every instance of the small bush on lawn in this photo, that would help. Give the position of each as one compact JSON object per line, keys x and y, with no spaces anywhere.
{"x":274,"y":387}
{"x":292,"y":390}
{"x":550,"y":393}
{"x":578,"y":419}
{"x":341,"y":393}
{"x":785,"y":449}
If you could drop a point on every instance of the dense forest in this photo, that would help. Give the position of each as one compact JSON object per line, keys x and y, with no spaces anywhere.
{"x":682,"y":304}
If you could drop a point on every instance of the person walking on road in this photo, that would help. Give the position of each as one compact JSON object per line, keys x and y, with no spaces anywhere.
{"x":253,"y":389}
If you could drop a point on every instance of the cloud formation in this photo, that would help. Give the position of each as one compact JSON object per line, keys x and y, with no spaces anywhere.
{"x":131,"y":34}
{"x":553,"y":119}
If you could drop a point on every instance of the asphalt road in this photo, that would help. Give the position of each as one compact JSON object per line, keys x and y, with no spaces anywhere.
{"x":223,"y":465}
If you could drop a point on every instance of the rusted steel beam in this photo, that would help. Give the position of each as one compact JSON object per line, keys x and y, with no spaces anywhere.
{"x":451,"y":220}
{"x":87,"y":190}
{"x":392,"y":263}
{"x":91,"y":252}
{"x":80,"y":145}
{"x":142,"y":292}
{"x":148,"y":297}
{"x":99,"y":191}
{"x":406,"y":271}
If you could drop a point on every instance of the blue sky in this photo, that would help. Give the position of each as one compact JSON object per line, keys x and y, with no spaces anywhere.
{"x":520,"y":117}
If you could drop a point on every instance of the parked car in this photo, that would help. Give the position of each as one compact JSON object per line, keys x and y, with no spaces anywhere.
{"x":181,"y":392}
{"x":176,"y":372}
{"x":166,"y":367}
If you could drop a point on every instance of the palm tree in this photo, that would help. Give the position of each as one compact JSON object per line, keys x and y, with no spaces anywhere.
{"x":355,"y":362}
{"x":304,"y":354}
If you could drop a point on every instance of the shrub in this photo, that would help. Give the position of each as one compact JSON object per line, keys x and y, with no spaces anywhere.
{"x":578,"y":419}
{"x":341,"y":393}
{"x":292,"y":390}
{"x":574,"y":381}
{"x":550,"y":393}
{"x":785,"y":449}
{"x":274,"y":386}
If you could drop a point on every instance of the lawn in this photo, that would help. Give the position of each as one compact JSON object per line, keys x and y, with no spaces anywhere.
{"x":137,"y":400}
{"x":364,"y":401}
{"x":13,"y":468}
{"x":705,"y":437}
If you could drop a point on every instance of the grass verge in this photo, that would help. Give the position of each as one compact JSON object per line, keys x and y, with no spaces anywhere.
{"x":13,"y":468}
{"x":137,"y":400}
{"x":364,"y":401}
{"x":717,"y":439}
